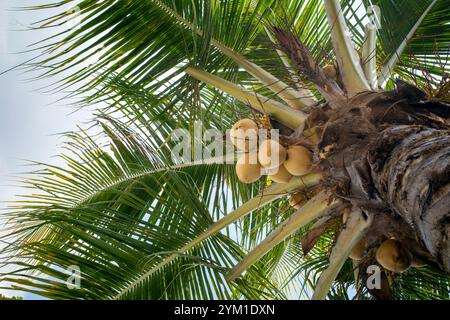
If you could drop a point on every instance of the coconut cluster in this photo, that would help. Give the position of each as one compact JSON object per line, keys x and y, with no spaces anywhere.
{"x":392,"y":255}
{"x":270,"y":157}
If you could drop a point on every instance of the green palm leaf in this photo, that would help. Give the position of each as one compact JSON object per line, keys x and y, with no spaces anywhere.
{"x":138,"y":224}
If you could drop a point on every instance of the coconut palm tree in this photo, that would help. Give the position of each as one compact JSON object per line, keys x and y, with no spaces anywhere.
{"x":363,"y":85}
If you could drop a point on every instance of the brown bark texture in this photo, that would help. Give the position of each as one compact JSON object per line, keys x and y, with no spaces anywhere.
{"x":386,"y":152}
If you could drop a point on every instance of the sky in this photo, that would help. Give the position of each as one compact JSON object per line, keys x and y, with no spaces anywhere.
{"x":30,"y":119}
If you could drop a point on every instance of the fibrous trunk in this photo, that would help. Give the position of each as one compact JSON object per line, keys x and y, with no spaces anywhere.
{"x":389,"y":154}
{"x":414,"y":180}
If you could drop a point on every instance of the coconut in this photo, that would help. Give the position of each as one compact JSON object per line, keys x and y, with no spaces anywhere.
{"x":297,"y":200}
{"x":280,"y":175}
{"x":248,"y":169}
{"x":244,"y":134}
{"x":358,"y":250}
{"x":299,"y":160}
{"x":393,"y":256}
{"x":271,"y":154}
{"x":330,"y":71}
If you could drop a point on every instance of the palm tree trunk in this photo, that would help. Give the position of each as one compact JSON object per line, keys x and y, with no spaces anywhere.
{"x":389,"y":154}
{"x":410,"y":167}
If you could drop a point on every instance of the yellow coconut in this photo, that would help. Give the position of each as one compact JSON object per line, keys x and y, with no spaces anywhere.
{"x":271,"y":154}
{"x":297,"y":200}
{"x":358,"y":250}
{"x":248,"y":169}
{"x":393,"y":256}
{"x":330,"y":71}
{"x":280,"y":175}
{"x":298,"y":161}
{"x":244,"y":134}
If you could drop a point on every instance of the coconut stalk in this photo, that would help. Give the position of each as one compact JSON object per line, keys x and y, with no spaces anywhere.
{"x":369,"y":55}
{"x":348,"y":238}
{"x":388,"y":68}
{"x":317,"y":207}
{"x":347,"y":58}
{"x":285,"y":115}
{"x":272,"y":193}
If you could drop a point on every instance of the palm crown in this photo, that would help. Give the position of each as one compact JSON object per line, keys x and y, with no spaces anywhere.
{"x":140,"y":226}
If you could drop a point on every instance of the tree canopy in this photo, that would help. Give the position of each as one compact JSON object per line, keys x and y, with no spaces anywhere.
{"x":121,"y":209}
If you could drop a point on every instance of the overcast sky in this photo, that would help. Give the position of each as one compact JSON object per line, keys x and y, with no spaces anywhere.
{"x":29,"y":119}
